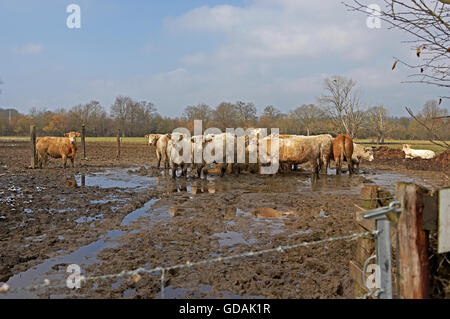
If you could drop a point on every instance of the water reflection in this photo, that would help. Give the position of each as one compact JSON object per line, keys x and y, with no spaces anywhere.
{"x":70,"y":182}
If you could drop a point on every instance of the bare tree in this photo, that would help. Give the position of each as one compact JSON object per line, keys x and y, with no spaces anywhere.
{"x":342,"y":104}
{"x":91,"y":114}
{"x":199,"y":112}
{"x":377,"y":121}
{"x":246,"y":112}
{"x":119,"y":111}
{"x":427,"y":21}
{"x":435,"y":135}
{"x":307,"y":116}
{"x":226,"y":115}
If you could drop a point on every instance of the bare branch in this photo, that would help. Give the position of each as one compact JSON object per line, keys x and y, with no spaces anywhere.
{"x":437,"y":140}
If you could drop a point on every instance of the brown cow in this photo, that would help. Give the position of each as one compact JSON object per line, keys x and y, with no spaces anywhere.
{"x":343,"y":150}
{"x":293,"y":150}
{"x":57,"y":147}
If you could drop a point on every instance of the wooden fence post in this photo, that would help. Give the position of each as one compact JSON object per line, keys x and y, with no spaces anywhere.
{"x":34,"y":159}
{"x":413,"y":243}
{"x":118,"y":143}
{"x":83,"y":140}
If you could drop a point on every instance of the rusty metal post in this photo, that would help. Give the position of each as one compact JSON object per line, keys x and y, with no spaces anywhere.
{"x":34,"y":159}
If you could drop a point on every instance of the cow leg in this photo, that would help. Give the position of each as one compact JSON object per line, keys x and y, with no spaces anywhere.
{"x":64,"y":160}
{"x":223,"y":169}
{"x":158,"y":156}
{"x":199,"y":171}
{"x":205,"y":172}
{"x":356,"y":167}
{"x":45,"y":160}
{"x":315,"y":169}
{"x":236,"y":169}
{"x":72,"y":159}
{"x":324,"y":165}
{"x":338,"y":165}
{"x":39,"y":161}
{"x":184,"y":170}
{"x":174,"y":171}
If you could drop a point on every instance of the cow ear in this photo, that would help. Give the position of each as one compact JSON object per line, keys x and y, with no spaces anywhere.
{"x":146,"y":136}
{"x":78,"y":134}
{"x":66,"y":135}
{"x":169,"y":136}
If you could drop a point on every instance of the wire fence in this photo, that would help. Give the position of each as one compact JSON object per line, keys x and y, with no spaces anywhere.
{"x":135,"y":274}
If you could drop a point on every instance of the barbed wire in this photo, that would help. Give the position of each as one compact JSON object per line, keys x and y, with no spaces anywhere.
{"x":377,"y":198}
{"x":134,"y":274}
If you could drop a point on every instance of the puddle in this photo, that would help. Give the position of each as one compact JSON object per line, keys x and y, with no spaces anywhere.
{"x":115,"y":179}
{"x":388,"y":179}
{"x":56,"y":266}
{"x":230,"y":238}
{"x":140,"y":212}
{"x":88,"y":219}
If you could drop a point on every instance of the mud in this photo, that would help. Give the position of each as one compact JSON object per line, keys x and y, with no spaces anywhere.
{"x":109,"y":215}
{"x":396,"y":158}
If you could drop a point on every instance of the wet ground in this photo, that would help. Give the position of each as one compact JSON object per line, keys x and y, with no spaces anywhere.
{"x":109,"y":216}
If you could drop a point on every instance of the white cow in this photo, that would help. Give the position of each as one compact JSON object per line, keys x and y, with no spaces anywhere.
{"x":411,"y":153}
{"x":361,"y":153}
{"x":160,"y":141}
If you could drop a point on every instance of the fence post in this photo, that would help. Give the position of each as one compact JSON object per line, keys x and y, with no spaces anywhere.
{"x":83,"y":140}
{"x":413,"y":242}
{"x":118,"y":143}
{"x":383,"y":253}
{"x":34,"y":159}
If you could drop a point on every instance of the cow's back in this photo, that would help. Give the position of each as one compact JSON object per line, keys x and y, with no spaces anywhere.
{"x":55,"y":146}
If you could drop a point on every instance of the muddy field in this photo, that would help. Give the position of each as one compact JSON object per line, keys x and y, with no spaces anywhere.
{"x":109,"y":215}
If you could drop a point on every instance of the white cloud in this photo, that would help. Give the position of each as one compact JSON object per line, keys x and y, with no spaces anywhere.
{"x":30,"y":48}
{"x":281,"y":29}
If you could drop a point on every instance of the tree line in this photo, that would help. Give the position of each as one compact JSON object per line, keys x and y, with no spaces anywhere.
{"x":338,"y":110}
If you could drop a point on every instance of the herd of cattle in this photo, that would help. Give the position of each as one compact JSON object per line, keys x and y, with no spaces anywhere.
{"x":293,"y":150}
{"x":318,"y":151}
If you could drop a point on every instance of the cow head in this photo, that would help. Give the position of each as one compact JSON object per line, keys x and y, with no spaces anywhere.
{"x":72,"y":136}
{"x":368,"y":154}
{"x":405,"y":147}
{"x":152,"y":138}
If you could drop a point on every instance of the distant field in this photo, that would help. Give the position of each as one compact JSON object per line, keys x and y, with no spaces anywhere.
{"x":419,"y":144}
{"x":142,"y":140}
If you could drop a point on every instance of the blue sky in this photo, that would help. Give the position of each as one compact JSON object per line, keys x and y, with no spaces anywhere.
{"x":183,"y":52}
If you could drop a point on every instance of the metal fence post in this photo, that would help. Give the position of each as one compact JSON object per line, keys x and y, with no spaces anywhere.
{"x":383,"y":246}
{"x":383,"y":253}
